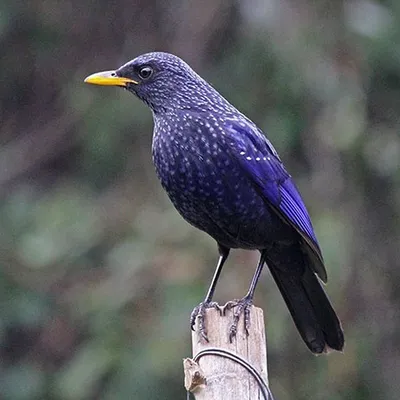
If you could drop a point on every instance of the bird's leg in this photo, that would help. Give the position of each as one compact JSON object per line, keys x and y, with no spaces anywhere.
{"x":200,"y":310}
{"x":244,"y":304}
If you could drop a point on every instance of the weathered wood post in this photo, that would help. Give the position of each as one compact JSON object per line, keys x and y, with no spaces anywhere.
{"x":216,"y":377}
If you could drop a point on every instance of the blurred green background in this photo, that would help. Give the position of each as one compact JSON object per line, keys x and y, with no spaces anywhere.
{"x":98,"y":272}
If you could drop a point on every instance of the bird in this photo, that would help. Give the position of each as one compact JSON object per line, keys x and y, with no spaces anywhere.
{"x":225,"y":178}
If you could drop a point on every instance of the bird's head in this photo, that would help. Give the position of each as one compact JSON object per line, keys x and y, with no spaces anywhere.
{"x":163,"y":81}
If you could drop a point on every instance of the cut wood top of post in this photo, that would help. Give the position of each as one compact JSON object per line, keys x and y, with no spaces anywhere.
{"x":226,"y":379}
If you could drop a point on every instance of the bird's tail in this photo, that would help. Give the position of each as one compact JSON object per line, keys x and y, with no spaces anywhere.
{"x":308,"y":304}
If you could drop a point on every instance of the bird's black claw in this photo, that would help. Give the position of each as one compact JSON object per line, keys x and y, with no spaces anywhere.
{"x":240,"y":306}
{"x":199,"y":313}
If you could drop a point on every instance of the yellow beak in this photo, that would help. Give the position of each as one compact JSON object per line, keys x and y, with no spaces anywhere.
{"x":108,"y":78}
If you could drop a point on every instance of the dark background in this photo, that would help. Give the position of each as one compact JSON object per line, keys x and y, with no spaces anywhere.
{"x":98,"y":272}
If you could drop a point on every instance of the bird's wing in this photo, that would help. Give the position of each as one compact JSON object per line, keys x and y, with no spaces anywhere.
{"x":258,"y":158}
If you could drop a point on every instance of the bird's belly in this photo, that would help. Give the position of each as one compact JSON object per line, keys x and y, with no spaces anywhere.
{"x":217,"y":198}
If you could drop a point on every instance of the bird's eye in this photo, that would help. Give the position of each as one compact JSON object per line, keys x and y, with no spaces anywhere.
{"x":145,"y":72}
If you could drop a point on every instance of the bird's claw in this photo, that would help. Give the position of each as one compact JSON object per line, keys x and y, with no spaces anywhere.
{"x":239,"y":306}
{"x":199,"y":313}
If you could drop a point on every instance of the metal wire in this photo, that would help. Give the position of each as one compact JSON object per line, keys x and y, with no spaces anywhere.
{"x":214,"y":351}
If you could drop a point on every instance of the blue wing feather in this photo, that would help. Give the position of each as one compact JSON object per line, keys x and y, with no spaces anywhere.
{"x":292,"y":205}
{"x":257,"y":156}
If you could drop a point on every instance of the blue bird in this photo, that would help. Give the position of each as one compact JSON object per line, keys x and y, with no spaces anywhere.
{"x":224,"y":177}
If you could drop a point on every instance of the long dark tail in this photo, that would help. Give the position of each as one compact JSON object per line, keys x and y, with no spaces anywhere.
{"x":308,"y":304}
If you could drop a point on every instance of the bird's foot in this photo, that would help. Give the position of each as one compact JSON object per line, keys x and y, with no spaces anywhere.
{"x":199,"y":313}
{"x":240,"y":306}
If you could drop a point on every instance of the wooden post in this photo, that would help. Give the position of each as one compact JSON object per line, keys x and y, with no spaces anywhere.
{"x":215,"y":377}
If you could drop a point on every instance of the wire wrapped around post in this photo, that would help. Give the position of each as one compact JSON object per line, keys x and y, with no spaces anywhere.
{"x":229,"y":371}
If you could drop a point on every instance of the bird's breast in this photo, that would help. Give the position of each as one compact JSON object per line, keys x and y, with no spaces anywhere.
{"x":194,"y":168}
{"x":210,"y":190}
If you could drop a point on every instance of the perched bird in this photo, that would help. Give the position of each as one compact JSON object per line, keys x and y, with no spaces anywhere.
{"x":224,"y":177}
